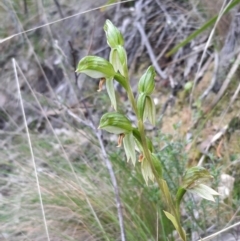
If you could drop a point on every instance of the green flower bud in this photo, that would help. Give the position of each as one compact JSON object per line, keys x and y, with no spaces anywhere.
{"x":115,"y":123}
{"x":96,"y":67}
{"x":146,"y":108}
{"x":111,"y":93}
{"x":141,"y":104}
{"x":188,"y":86}
{"x":137,"y":137}
{"x":147,"y":171}
{"x":175,"y":223}
{"x":129,"y":147}
{"x":195,"y":175}
{"x":114,"y":36}
{"x":147,"y":83}
{"x":193,"y":182}
{"x":118,"y":58}
{"x":149,"y":111}
{"x":204,"y":191}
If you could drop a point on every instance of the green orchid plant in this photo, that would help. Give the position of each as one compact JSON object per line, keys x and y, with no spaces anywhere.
{"x":134,"y":137}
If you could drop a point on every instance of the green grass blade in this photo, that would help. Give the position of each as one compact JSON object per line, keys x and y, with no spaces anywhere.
{"x":205,"y":26}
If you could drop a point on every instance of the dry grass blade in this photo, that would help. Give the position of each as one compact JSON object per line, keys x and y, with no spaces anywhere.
{"x":219,"y":232}
{"x":31,"y":149}
{"x":223,"y":9}
{"x":59,"y":20}
{"x":65,"y":155}
{"x":226,"y":83}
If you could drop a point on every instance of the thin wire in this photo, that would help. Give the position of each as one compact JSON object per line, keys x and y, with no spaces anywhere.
{"x":31,"y":149}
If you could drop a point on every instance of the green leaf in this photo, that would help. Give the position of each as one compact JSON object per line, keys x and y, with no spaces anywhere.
{"x":147,"y":83}
{"x":166,"y":192}
{"x":116,"y":123}
{"x":111,"y":92}
{"x":96,"y":67}
{"x":129,"y":146}
{"x":204,"y":192}
{"x":180,"y":230}
{"x":114,"y":36}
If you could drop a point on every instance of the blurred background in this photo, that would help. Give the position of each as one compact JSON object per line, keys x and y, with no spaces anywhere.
{"x":197,"y":103}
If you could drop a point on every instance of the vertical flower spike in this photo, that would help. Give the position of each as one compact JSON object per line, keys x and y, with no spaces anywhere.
{"x":111,"y":92}
{"x":114,"y":36}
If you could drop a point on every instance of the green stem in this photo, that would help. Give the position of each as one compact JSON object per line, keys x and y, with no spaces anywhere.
{"x":174,"y":209}
{"x":180,"y":193}
{"x":132,"y":100}
{"x":122,"y":81}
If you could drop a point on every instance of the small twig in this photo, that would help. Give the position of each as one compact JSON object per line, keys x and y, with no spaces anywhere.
{"x":226,"y":83}
{"x":25,"y":7}
{"x":34,"y":54}
{"x":65,"y":154}
{"x":161,"y":6}
{"x":59,"y":20}
{"x":157,"y":226}
{"x":216,"y":137}
{"x":74,"y":54}
{"x":219,"y":232}
{"x":31,"y":150}
{"x":115,"y":186}
{"x":213,"y":81}
{"x":166,"y":104}
{"x":206,"y":47}
{"x":150,"y":51}
{"x":231,"y":101}
{"x":98,"y":134}
{"x":76,"y":117}
{"x":59,"y":8}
